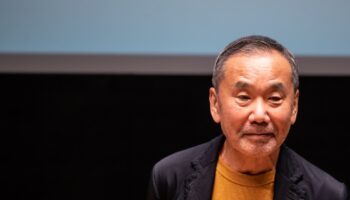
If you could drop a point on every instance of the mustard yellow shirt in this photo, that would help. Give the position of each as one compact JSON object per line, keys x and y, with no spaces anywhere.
{"x":231,"y":185}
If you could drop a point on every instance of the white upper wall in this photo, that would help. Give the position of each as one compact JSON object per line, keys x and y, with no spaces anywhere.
{"x":306,"y":27}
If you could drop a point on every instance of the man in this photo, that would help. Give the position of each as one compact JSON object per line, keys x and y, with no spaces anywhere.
{"x":254,"y":98}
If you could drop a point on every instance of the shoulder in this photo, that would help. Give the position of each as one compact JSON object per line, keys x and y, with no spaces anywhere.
{"x":179,"y":163}
{"x":169,"y":174}
{"x":315,"y":180}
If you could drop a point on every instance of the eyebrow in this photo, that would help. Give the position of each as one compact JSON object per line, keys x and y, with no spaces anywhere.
{"x":242,"y":85}
{"x":277,"y":87}
{"x":274,"y":86}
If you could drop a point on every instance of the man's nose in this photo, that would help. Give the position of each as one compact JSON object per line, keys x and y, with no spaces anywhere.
{"x":259,"y":112}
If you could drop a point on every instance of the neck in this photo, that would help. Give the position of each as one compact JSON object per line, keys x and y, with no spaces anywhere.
{"x":246,"y":164}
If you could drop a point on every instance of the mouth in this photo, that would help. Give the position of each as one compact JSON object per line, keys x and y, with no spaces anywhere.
{"x":258,"y":133}
{"x":259,"y":136}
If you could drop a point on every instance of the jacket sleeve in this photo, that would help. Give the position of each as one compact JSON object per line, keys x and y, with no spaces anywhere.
{"x":347,"y":196}
{"x":153,"y":192}
{"x":345,"y":193}
{"x":333,"y":191}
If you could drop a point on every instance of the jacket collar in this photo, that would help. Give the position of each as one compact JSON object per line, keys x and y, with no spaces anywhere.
{"x":288,"y":176}
{"x":199,"y":184}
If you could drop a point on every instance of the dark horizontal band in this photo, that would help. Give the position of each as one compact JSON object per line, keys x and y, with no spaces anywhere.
{"x":149,"y":64}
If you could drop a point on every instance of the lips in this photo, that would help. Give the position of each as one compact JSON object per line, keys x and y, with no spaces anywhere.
{"x":259,"y":137}
{"x":262,"y":134}
{"x":258,"y":130}
{"x":258,"y":134}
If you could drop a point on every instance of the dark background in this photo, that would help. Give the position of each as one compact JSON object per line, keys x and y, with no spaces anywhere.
{"x":97,"y":136}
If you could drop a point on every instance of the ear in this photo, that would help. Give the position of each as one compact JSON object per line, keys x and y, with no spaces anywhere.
{"x":295,"y":107}
{"x":214,"y":105}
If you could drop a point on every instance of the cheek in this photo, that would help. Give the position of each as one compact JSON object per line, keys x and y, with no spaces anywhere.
{"x":233,"y":118}
{"x":282,"y":118}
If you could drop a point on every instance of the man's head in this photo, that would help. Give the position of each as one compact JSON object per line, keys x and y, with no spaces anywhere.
{"x":255,"y":95}
{"x":250,"y":45}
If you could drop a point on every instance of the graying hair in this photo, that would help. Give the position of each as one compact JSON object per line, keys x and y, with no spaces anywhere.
{"x":248,"y":45}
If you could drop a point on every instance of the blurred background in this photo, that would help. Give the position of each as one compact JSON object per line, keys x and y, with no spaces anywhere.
{"x":93,"y":93}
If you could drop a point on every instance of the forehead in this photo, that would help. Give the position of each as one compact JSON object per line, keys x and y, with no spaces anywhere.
{"x":258,"y":68}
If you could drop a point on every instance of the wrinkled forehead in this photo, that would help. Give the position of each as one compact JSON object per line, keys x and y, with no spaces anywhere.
{"x":248,"y":50}
{"x":262,"y":66}
{"x":260,"y":55}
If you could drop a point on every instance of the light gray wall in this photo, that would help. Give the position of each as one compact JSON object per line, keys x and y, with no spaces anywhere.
{"x":163,"y":35}
{"x":312,"y":27}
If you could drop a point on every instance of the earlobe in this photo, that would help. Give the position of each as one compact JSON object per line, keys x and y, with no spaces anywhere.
{"x":214,"y":105}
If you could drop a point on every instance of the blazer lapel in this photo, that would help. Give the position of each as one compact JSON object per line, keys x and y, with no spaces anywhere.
{"x":287,"y":178}
{"x":286,"y":190}
{"x":199,"y":184}
{"x":200,"y":187}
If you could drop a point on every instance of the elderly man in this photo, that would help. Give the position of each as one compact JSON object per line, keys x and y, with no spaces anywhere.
{"x":254,"y":98}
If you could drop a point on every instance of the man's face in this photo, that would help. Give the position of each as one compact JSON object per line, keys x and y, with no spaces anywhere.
{"x":255,"y":103}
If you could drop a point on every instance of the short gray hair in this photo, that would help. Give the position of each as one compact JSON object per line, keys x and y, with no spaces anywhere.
{"x":249,"y":45}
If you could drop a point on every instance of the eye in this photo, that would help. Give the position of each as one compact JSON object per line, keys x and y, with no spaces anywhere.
{"x":243,"y":98}
{"x":275,"y":99}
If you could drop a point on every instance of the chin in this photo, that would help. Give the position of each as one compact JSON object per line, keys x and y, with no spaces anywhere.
{"x":258,"y":148}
